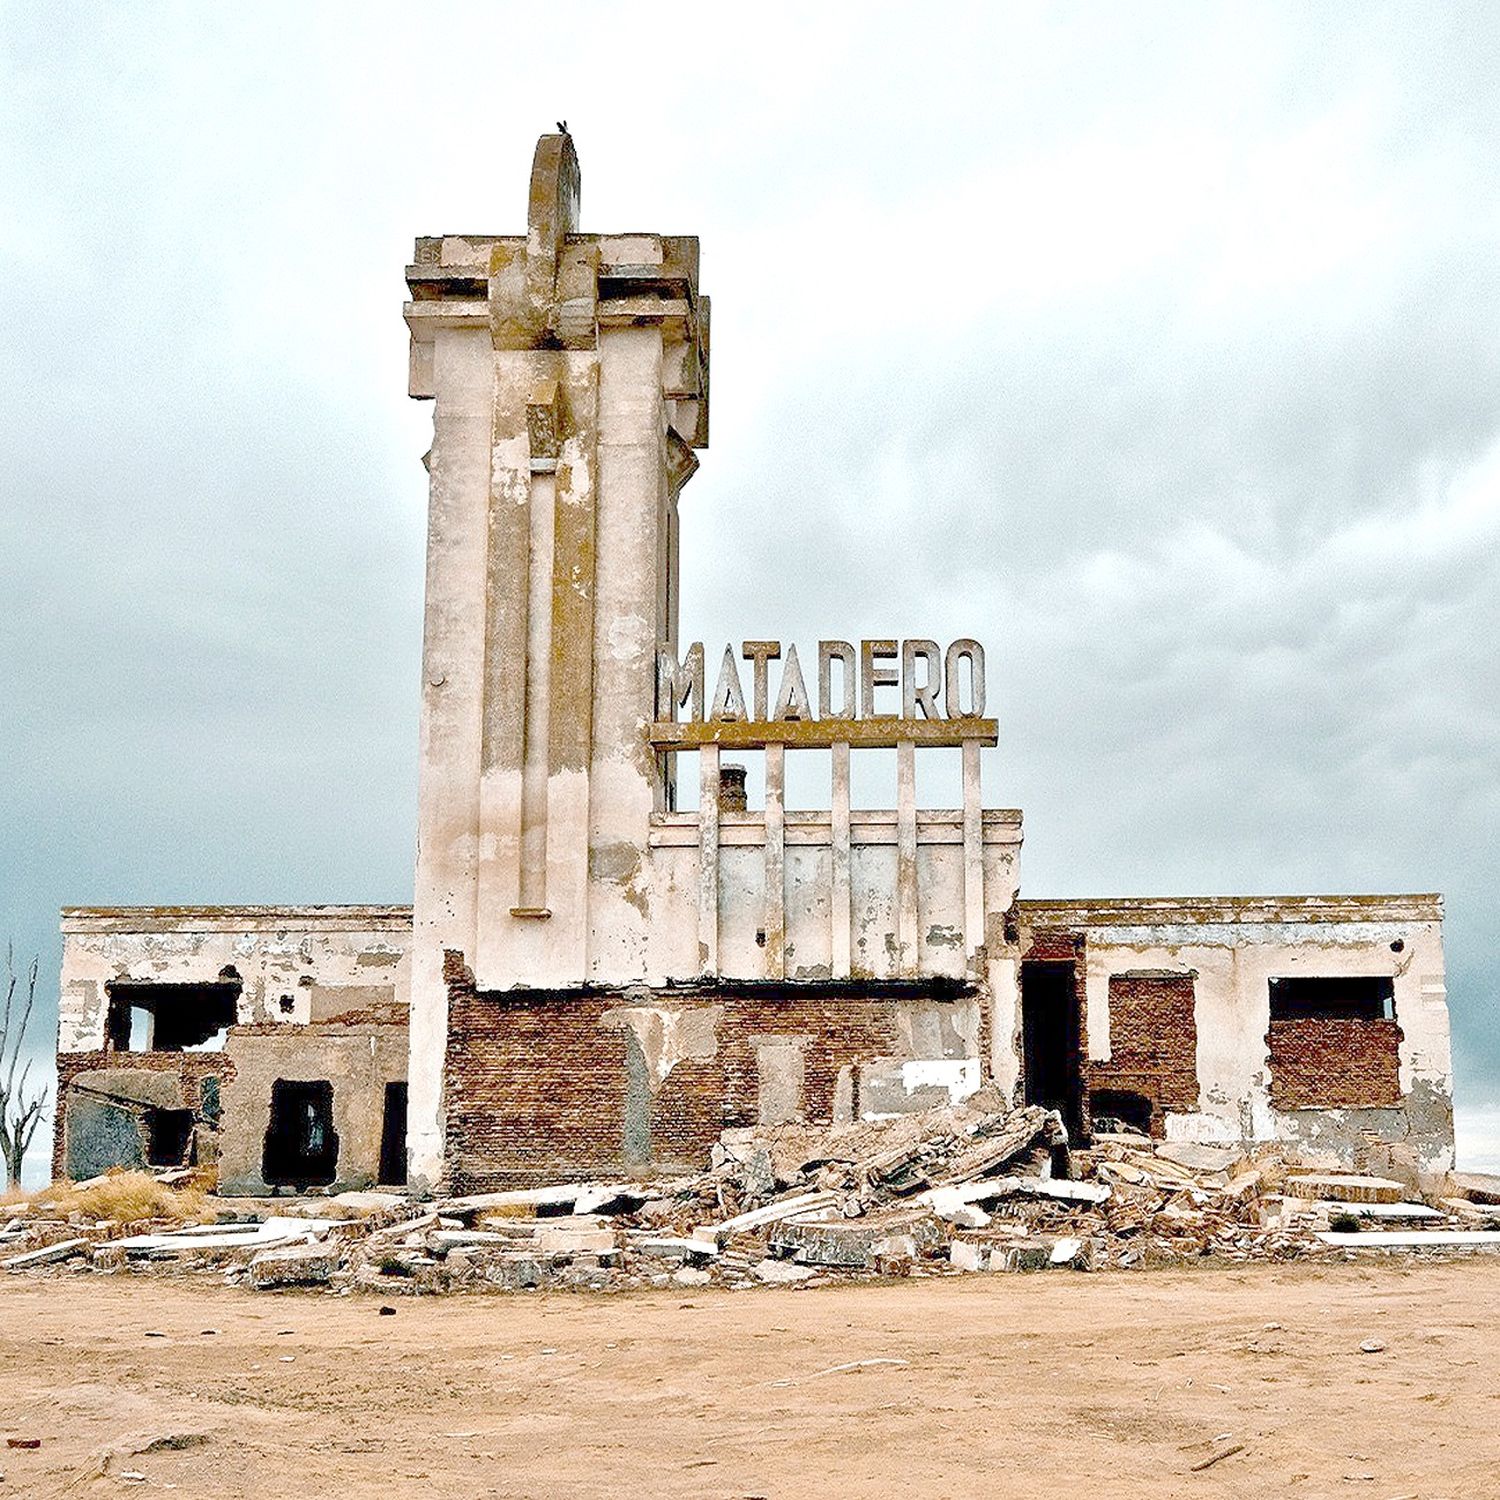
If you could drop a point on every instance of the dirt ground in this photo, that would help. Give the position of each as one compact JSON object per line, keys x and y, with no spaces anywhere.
{"x":1048,"y":1384}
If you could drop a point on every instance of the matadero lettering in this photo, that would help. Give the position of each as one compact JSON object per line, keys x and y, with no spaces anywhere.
{"x":934,"y":684}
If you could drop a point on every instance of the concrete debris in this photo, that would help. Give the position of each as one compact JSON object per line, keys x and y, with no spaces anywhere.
{"x":1344,"y":1187}
{"x":294,"y":1265}
{"x":47,"y":1255}
{"x":1476,"y":1187}
{"x":974,"y":1187}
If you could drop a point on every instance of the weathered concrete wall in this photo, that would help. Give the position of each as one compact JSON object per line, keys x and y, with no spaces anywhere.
{"x":281,"y":955}
{"x":294,"y":965}
{"x":357,"y":1059}
{"x":569,"y":373}
{"x":1233,"y":947}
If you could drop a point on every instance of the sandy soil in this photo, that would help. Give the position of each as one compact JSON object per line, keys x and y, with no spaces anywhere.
{"x":1041,"y":1385}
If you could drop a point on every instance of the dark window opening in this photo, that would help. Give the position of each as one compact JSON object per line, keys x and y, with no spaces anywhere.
{"x":209,"y":1104}
{"x":1346,"y":998}
{"x":147,"y":1017}
{"x":393,"y":1137}
{"x":169,"y":1136}
{"x":1113,"y":1108}
{"x":302,"y":1147}
{"x":1051,"y":1040}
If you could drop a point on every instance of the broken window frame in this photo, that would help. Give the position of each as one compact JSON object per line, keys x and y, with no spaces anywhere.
{"x":1344,"y":997}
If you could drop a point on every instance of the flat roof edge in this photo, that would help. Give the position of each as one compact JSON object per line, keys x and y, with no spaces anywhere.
{"x":189,"y":918}
{"x":1154,"y":910}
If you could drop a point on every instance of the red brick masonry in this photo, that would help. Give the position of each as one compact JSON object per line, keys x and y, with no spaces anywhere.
{"x":536,"y":1086}
{"x":1153,"y":1043}
{"x":1319,"y":1063}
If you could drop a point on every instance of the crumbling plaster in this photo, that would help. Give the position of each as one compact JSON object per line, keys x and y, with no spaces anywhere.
{"x":1233,"y":947}
{"x":358,"y":1060}
{"x":278,"y":953}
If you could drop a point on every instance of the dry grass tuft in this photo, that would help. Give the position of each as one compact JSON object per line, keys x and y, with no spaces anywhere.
{"x":125,"y":1197}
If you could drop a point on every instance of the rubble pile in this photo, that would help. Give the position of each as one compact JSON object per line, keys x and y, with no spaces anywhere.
{"x":979,"y":1186}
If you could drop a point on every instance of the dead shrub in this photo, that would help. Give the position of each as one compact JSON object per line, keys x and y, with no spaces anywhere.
{"x":126,"y":1197}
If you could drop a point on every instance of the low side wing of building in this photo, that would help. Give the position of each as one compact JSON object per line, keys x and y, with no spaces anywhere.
{"x":1319,"y":1021}
{"x":196,"y":1035}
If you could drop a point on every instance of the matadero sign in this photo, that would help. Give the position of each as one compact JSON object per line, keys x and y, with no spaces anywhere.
{"x":883,"y":693}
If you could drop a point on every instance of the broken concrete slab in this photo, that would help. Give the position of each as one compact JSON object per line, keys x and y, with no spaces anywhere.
{"x":1409,"y":1239}
{"x":1198,"y":1157}
{"x":1383,"y":1211}
{"x":964,"y":1255}
{"x":48,"y":1255}
{"x":550,"y":1241}
{"x":987,"y":1189}
{"x":772,"y":1213}
{"x":827,"y":1242}
{"x":1477,"y":1187}
{"x":294,"y":1265}
{"x":1344,"y":1187}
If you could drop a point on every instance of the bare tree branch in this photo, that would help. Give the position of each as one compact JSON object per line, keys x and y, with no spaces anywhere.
{"x":20,"y":1113}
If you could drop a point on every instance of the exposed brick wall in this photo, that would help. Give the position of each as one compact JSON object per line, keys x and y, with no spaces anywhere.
{"x":191,"y":1067}
{"x":1328,"y":1063}
{"x":536,"y":1086}
{"x":1153,"y":1043}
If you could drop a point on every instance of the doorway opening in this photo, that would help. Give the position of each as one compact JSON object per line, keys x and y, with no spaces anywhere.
{"x":169,"y":1137}
{"x":393,"y":1137}
{"x":1052,"y":1040}
{"x":302,"y":1147}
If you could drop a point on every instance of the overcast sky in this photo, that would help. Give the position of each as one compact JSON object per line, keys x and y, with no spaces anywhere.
{"x":1157,"y":346}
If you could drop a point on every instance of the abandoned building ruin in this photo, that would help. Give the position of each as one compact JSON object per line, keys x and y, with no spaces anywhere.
{"x":602,"y":970}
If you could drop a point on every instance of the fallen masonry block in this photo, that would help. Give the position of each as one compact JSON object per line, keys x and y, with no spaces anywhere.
{"x":963,"y":1255}
{"x":1408,"y":1239}
{"x":294,"y":1265}
{"x":775,"y":1272}
{"x":1072,"y":1251}
{"x":1344,"y":1187}
{"x":1242,"y":1184}
{"x":47,"y":1255}
{"x":671,"y":1247}
{"x":550,"y":1241}
{"x":772,"y":1213}
{"x":831,"y":1242}
{"x":454,"y":1239}
{"x":1477,"y":1187}
{"x":963,"y":1215}
{"x":513,"y":1272}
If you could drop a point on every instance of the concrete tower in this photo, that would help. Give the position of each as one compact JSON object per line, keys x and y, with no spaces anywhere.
{"x":570,"y":379}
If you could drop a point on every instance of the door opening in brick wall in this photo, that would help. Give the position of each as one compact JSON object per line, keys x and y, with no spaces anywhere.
{"x":302,"y":1147}
{"x":1344,"y":997}
{"x":1051,"y":1040}
{"x":169,"y":1135}
{"x":393,"y":1136}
